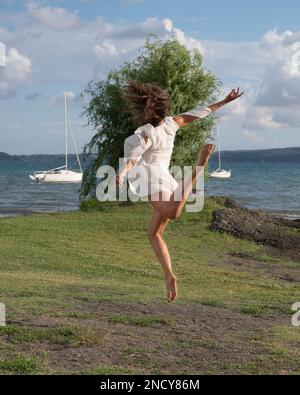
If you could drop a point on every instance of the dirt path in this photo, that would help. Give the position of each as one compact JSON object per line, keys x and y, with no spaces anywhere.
{"x":158,"y":338}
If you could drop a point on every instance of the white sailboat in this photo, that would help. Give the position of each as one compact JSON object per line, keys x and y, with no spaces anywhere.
{"x":220,"y":173}
{"x":61,"y":174}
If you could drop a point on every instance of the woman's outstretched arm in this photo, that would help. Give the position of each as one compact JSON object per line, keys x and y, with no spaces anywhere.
{"x":201,"y":112}
{"x":134,"y":147}
{"x":123,"y":172}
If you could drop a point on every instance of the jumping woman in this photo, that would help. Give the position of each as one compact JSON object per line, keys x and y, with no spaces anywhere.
{"x":150,"y":150}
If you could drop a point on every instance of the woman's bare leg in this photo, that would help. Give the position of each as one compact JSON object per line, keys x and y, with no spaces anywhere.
{"x":155,"y":234}
{"x":172,"y":208}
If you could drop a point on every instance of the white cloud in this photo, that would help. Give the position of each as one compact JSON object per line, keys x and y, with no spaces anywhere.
{"x":53,"y":17}
{"x":16,"y":71}
{"x":168,"y":24}
{"x":107,"y":48}
{"x":119,"y":42}
{"x":189,"y":42}
{"x":260,"y":118}
{"x":236,"y":61}
{"x":135,"y":31}
{"x":280,"y":85}
{"x":272,"y":82}
{"x":288,"y":117}
{"x":252,"y":137}
{"x":249,"y":115}
{"x":17,"y":67}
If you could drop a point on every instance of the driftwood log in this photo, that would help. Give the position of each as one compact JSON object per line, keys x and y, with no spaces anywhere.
{"x":257,"y":226}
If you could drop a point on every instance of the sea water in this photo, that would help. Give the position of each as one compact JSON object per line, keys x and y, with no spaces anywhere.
{"x":270,"y":186}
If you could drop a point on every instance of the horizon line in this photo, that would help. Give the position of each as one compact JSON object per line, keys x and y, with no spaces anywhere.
{"x":234,"y":150}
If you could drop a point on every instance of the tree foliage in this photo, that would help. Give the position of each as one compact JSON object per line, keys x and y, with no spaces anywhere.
{"x":171,"y":66}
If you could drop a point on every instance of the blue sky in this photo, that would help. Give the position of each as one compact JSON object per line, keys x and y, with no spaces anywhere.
{"x":56,"y":46}
{"x":229,"y":20}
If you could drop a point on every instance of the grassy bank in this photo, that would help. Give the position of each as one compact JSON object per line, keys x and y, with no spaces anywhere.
{"x":84,"y":294}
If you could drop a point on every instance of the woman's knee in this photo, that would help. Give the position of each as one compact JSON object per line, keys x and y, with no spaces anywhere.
{"x":174,"y":214}
{"x":153,"y":236}
{"x":169,"y":213}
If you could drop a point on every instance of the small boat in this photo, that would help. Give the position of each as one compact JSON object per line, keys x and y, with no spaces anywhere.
{"x":61,"y":174}
{"x":220,"y":173}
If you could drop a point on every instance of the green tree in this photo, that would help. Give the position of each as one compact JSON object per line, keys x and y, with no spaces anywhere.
{"x":173,"y":67}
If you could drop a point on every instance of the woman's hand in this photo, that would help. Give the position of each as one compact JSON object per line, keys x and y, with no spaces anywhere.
{"x":122,"y":174}
{"x":233,"y":95}
{"x":120,"y":179}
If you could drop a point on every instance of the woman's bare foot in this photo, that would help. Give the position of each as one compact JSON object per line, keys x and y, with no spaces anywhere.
{"x":205,"y":154}
{"x":171,"y":285}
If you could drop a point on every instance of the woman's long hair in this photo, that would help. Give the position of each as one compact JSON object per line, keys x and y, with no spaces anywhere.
{"x":148,"y":103}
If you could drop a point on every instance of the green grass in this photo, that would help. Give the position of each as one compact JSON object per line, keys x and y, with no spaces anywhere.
{"x":52,"y":264}
{"x":21,"y":364}
{"x":68,"y":335}
{"x":147,"y":321}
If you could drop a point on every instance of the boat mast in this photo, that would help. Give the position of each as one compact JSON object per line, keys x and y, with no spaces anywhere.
{"x":66,"y":129}
{"x":219,"y":148}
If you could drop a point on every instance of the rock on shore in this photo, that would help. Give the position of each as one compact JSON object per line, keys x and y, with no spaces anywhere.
{"x":257,"y":226}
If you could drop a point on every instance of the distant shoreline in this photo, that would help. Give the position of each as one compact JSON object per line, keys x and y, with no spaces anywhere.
{"x":280,"y":151}
{"x":6,"y":156}
{"x":11,"y":213}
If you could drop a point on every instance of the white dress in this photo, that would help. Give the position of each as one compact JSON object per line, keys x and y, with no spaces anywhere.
{"x":153,"y":155}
